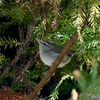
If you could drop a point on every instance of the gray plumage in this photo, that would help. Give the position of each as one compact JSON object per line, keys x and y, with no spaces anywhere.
{"x":49,"y":52}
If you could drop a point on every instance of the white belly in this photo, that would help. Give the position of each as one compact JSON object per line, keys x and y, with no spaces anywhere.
{"x":48,"y":60}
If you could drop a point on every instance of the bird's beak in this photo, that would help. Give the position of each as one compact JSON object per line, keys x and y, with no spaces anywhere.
{"x":39,"y":40}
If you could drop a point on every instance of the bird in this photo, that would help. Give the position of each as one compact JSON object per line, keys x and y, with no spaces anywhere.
{"x":49,"y":51}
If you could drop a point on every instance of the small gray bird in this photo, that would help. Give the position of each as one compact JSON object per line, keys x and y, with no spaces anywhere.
{"x":49,"y":51}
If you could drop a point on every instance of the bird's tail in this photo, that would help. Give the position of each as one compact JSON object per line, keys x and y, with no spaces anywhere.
{"x":73,"y":53}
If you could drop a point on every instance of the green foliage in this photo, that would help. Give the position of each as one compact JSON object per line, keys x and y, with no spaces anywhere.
{"x":36,"y":74}
{"x":18,"y":87}
{"x":55,"y":93}
{"x":17,"y":14}
{"x":5,"y":42}
{"x":66,"y":17}
{"x":4,"y":60}
{"x":90,"y":86}
{"x":32,"y":76}
{"x":64,"y":87}
{"x":64,"y":32}
{"x":86,"y":84}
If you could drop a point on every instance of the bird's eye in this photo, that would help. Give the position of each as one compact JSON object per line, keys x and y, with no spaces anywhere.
{"x":44,"y":43}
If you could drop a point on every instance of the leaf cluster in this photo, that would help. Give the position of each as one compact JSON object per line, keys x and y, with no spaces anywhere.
{"x":15,"y":14}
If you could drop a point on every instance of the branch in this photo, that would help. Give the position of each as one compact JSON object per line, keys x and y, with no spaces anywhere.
{"x":53,"y":68}
{"x":28,"y":64}
{"x":25,"y":42}
{"x":20,"y":73}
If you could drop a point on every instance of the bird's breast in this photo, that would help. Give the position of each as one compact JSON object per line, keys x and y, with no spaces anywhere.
{"x":49,"y":58}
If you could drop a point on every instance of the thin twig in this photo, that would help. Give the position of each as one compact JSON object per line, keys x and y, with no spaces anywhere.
{"x":29,"y":63}
{"x":21,"y":34}
{"x":25,"y":42}
{"x":20,"y":73}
